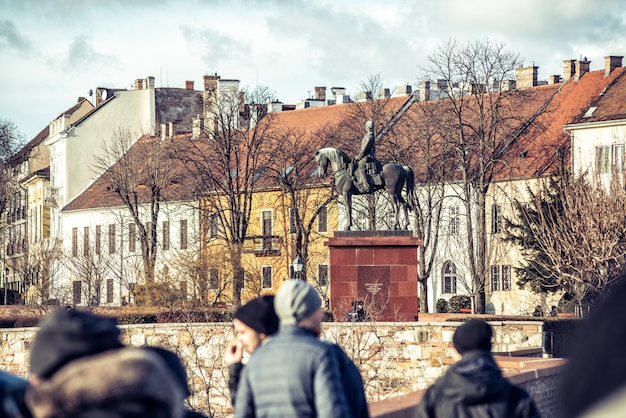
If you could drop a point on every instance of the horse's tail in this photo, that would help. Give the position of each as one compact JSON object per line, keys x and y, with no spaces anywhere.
{"x":410,"y":188}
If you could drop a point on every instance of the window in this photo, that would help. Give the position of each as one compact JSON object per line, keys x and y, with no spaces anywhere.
{"x":183,"y":288}
{"x":111,"y":238}
{"x":506,"y":277}
{"x":293,"y":221}
{"x":496,"y":223}
{"x":243,"y":278}
{"x":75,"y":242}
{"x":132,"y":237}
{"x":454,"y":220}
{"x":98,"y":238}
{"x":603,"y":159}
{"x":618,"y":158}
{"x":214,"y":278}
{"x":183,"y":234}
{"x":86,"y":241}
{"x":266,"y":229}
{"x":109,"y":290}
{"x":166,"y":235}
{"x":495,"y":278}
{"x":322,"y":274}
{"x":267,"y":277}
{"x":449,"y":277}
{"x":322,"y":220}
{"x":76,"y":292}
{"x":213,"y":225}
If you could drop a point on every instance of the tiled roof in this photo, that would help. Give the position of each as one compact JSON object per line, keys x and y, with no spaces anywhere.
{"x":182,"y":187}
{"x":610,"y":104}
{"x":538,"y":147}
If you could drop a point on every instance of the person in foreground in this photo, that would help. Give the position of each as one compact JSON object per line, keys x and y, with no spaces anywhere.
{"x":474,"y":386}
{"x":79,"y":369}
{"x":254,"y":323}
{"x":594,"y":381}
{"x":295,"y":374}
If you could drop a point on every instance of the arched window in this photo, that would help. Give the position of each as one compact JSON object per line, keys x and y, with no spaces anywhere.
{"x":449,"y":277}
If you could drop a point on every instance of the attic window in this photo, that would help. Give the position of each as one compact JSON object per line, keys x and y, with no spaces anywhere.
{"x":522,"y":154}
{"x":589,"y":112}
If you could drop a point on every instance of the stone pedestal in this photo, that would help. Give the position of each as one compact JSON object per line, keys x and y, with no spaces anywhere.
{"x":378,"y":268}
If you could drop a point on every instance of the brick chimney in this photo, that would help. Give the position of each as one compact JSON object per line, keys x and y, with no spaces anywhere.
{"x":150,"y":82}
{"x":612,"y":62}
{"x":424,"y":89}
{"x":320,"y":92}
{"x":554,"y":79}
{"x":582,"y":67}
{"x":526,"y":77}
{"x":139,"y":84}
{"x":209,"y":92}
{"x":189,"y":85}
{"x":569,"y":69}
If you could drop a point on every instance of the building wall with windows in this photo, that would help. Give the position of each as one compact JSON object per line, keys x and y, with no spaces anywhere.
{"x":269,"y":248}
{"x":102,"y":254}
{"x":598,"y":147}
{"x":451,"y":274}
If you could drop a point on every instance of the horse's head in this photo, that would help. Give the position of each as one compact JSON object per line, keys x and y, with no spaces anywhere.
{"x":322,"y":163}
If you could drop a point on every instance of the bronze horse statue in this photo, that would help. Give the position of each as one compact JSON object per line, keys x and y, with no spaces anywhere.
{"x":394,"y":177}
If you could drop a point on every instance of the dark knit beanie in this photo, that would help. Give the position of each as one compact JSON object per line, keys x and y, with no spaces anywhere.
{"x":67,"y":335}
{"x":475,"y":334}
{"x":259,"y":314}
{"x":174,"y":364}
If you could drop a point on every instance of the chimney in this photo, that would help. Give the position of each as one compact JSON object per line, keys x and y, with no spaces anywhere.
{"x":385,"y":93}
{"x":582,"y":67}
{"x":338,"y":91}
{"x":612,"y":62}
{"x":150,"y":82}
{"x":139,"y":84}
{"x":80,"y":99}
{"x":569,"y":68}
{"x":209,"y":92}
{"x":170,"y":130}
{"x":526,"y":77}
{"x":424,"y":91}
{"x":554,"y":79}
{"x":164,"y":131}
{"x":197,"y":127}
{"x":189,"y":85}
{"x":320,"y":93}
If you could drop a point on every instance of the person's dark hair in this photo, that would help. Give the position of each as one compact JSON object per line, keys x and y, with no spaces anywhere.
{"x":473,"y":335}
{"x":66,"y":335}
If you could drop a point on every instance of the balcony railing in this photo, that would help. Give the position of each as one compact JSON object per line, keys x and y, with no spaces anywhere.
{"x":263,"y":246}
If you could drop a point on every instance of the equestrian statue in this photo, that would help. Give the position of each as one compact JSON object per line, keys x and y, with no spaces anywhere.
{"x":365,"y":175}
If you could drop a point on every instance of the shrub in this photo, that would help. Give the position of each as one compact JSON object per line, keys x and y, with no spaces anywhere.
{"x":442,"y":305}
{"x":458,"y":302}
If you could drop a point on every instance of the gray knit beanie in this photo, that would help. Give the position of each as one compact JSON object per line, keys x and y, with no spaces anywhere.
{"x":295,"y":301}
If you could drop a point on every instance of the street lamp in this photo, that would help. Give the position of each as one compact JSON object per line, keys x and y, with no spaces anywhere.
{"x":298,"y":264}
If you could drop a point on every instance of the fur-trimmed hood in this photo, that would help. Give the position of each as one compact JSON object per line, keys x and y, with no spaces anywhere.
{"x":126,"y":382}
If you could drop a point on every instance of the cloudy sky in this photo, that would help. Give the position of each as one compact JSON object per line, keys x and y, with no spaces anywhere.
{"x":53,"y":51}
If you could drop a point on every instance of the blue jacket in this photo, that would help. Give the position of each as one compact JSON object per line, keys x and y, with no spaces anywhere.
{"x":293,"y":375}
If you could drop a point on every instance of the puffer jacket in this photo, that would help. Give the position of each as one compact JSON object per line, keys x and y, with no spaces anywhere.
{"x":475,"y":388}
{"x":293,"y":375}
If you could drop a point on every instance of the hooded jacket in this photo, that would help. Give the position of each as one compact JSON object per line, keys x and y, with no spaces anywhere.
{"x":475,"y":388}
{"x":123,"y":383}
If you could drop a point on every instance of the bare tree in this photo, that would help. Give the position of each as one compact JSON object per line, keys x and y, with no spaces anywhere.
{"x":229,"y":160}
{"x":138,"y":170}
{"x":573,"y":236}
{"x":478,"y":117}
{"x":303,"y":196}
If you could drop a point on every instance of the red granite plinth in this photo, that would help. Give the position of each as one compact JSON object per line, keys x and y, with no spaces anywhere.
{"x":377,"y":267}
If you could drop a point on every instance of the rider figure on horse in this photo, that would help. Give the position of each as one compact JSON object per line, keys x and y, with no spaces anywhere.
{"x":366,"y":162}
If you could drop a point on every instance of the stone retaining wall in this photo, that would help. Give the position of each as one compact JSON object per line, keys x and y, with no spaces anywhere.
{"x":394,"y":358}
